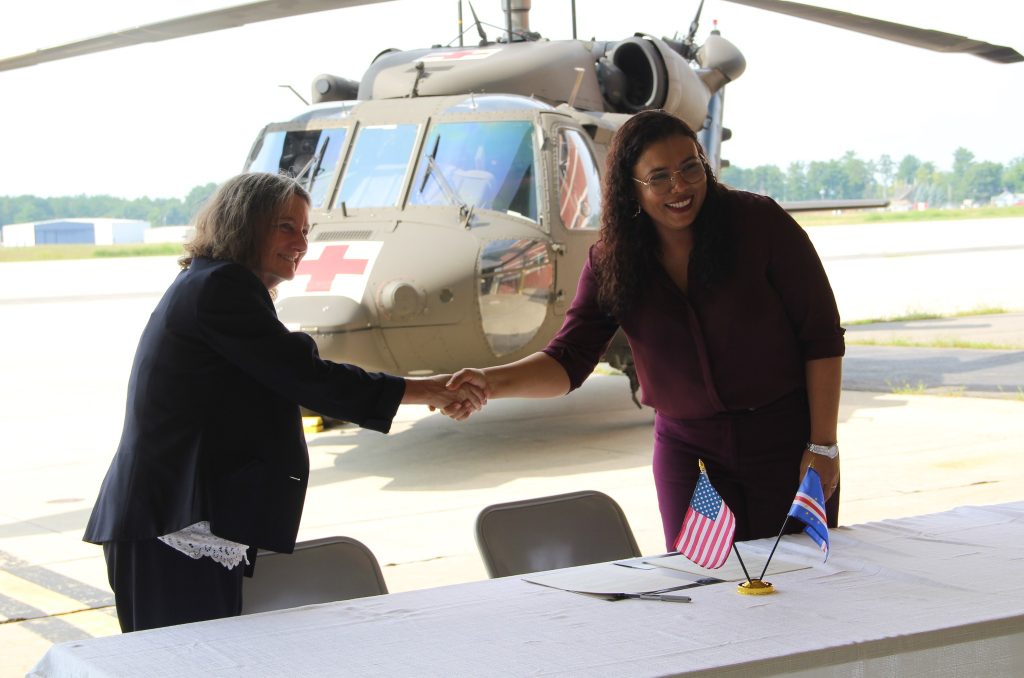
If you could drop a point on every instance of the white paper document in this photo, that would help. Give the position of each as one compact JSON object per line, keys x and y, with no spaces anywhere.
{"x":611,"y":579}
{"x":731,"y":570}
{"x":656,"y":573}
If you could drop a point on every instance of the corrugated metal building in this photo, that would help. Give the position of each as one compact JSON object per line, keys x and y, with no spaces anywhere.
{"x":86,"y":231}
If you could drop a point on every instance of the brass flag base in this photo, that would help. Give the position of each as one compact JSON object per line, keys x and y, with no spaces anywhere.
{"x":755,"y":587}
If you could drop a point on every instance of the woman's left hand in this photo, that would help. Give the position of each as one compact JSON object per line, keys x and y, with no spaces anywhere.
{"x":827,"y":468}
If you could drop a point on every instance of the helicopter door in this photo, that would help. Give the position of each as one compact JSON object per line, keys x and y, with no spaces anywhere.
{"x":579,"y":182}
{"x":575,"y":212}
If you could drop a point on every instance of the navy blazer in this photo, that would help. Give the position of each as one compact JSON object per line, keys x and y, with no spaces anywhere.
{"x":212,"y":426}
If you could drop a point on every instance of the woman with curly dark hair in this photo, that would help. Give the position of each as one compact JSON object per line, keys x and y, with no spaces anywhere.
{"x":733,"y":326}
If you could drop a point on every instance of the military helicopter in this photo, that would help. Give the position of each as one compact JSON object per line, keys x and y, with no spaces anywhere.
{"x":456,"y":190}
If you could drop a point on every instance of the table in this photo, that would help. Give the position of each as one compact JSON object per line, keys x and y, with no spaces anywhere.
{"x":940,"y":594}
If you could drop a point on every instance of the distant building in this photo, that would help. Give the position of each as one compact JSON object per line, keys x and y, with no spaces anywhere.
{"x":1008,"y":199}
{"x":911,"y":198}
{"x":86,"y":231}
{"x":180,"y":234}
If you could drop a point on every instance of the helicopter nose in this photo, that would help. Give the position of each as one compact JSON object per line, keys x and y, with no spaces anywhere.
{"x":334,"y":313}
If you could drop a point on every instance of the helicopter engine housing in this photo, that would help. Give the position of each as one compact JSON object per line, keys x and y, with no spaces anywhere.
{"x":643,"y":72}
{"x":327,"y":87}
{"x":544,"y":70}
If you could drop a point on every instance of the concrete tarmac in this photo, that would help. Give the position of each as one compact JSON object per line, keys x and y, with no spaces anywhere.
{"x":412,"y":496}
{"x":979,"y":355}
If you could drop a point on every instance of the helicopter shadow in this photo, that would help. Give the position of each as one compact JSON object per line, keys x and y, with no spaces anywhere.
{"x":596,"y":428}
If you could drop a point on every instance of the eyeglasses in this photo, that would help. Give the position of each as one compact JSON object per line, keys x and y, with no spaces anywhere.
{"x":662,"y":182}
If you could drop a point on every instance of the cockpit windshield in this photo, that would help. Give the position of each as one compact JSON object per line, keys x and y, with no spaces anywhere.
{"x":311,"y":156}
{"x":377,"y":166}
{"x":486,"y":165}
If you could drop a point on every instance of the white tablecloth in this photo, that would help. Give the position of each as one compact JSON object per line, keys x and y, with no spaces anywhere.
{"x":941,"y":594}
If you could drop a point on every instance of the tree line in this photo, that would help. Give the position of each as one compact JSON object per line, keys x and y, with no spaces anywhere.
{"x":847,"y":177}
{"x":910,"y":179}
{"x":157,"y":211}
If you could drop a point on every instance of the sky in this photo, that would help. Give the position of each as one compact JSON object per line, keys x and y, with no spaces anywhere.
{"x":157,"y":120}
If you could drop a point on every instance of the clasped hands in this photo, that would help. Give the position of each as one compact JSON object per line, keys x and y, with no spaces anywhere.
{"x":459,"y":395}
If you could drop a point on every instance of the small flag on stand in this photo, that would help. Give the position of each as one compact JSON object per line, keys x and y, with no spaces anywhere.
{"x":809,"y":507}
{"x":708,"y":527}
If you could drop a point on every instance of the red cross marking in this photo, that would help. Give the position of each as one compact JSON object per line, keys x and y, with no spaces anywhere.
{"x":331,"y":264}
{"x":459,"y":54}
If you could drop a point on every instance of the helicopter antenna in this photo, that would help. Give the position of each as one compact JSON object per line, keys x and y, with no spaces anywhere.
{"x":479,"y":27}
{"x":301,"y":98}
{"x":688,"y":43}
{"x":421,"y":70}
{"x":461,"y":30}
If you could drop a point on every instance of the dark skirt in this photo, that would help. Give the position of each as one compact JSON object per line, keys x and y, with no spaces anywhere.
{"x":752,"y":459}
{"x":156,"y":585}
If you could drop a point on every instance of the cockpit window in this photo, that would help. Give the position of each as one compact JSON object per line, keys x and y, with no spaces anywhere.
{"x":516,"y":286}
{"x":266,"y":153}
{"x":487,"y":165}
{"x":377,"y":166}
{"x":310,"y":156}
{"x":579,"y":184}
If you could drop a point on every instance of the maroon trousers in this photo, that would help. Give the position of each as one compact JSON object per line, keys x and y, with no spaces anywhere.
{"x":752,"y":459}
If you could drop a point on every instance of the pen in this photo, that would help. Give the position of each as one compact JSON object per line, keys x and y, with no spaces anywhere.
{"x":665,"y":597}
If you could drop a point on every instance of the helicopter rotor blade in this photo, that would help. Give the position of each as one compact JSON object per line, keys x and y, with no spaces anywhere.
{"x":206,"y":22}
{"x":887,"y":30}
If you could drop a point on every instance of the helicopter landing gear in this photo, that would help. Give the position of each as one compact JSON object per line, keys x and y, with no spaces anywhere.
{"x":634,"y":383}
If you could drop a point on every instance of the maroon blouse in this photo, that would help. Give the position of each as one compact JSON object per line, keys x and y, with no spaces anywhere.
{"x":738,"y":345}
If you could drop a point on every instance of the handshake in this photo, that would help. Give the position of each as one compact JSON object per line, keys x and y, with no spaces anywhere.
{"x":457,"y":396}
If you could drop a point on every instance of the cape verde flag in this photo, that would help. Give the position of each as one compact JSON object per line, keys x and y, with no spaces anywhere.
{"x":708,"y":527}
{"x":809,"y":507}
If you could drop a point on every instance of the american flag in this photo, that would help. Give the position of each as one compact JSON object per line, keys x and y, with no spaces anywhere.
{"x":706,"y":535}
{"x":809,"y":507}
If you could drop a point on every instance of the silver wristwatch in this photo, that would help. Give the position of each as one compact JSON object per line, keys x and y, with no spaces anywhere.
{"x":830,"y":451}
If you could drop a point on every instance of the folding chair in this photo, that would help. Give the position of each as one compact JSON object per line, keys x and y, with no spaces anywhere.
{"x":547,"y":533}
{"x":319,"y":571}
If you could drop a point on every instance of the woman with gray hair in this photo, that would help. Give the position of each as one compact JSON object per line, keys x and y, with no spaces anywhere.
{"x":212,"y":462}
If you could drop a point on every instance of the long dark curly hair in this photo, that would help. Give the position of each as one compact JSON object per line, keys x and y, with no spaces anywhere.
{"x":629,"y":247}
